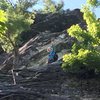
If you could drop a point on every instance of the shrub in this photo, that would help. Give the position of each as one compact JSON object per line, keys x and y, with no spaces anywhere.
{"x":85,"y":53}
{"x":86,"y":59}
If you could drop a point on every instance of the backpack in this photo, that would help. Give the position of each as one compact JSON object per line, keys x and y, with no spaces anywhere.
{"x":55,"y":57}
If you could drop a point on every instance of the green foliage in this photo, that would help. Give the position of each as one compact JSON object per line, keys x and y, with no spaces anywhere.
{"x":93,"y":3}
{"x":3,"y":16}
{"x":51,"y":7}
{"x":93,"y":25}
{"x":84,"y":59}
{"x":23,"y":5}
{"x":84,"y":51}
{"x":4,"y":5}
{"x":75,"y":48}
{"x":3,"y":19}
{"x":18,"y":20}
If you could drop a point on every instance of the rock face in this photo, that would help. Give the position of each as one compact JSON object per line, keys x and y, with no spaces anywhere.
{"x":34,"y":54}
{"x":46,"y":27}
{"x":56,"y":22}
{"x":35,"y":79}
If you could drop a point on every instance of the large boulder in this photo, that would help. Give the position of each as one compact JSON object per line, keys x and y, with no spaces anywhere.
{"x":57,"y":22}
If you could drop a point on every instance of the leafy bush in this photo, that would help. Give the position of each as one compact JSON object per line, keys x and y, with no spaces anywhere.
{"x":86,"y":59}
{"x":85,"y":53}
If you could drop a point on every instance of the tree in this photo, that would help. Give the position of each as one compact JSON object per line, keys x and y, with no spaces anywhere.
{"x":18,"y":19}
{"x":93,"y":3}
{"x":51,"y":7}
{"x":86,"y":50}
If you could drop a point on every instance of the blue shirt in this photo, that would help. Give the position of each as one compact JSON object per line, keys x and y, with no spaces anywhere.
{"x":51,"y":56}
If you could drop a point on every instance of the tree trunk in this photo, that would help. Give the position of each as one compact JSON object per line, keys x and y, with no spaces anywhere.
{"x":15,"y":62}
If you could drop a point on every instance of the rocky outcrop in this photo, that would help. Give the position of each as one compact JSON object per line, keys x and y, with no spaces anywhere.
{"x":56,"y":22}
{"x":35,"y":79}
{"x":34,"y":54}
{"x":47,"y":27}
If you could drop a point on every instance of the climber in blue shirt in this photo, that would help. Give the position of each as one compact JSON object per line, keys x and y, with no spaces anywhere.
{"x":52,"y":57}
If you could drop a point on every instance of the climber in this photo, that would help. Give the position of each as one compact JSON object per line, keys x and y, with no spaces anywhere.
{"x":52,"y":57}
